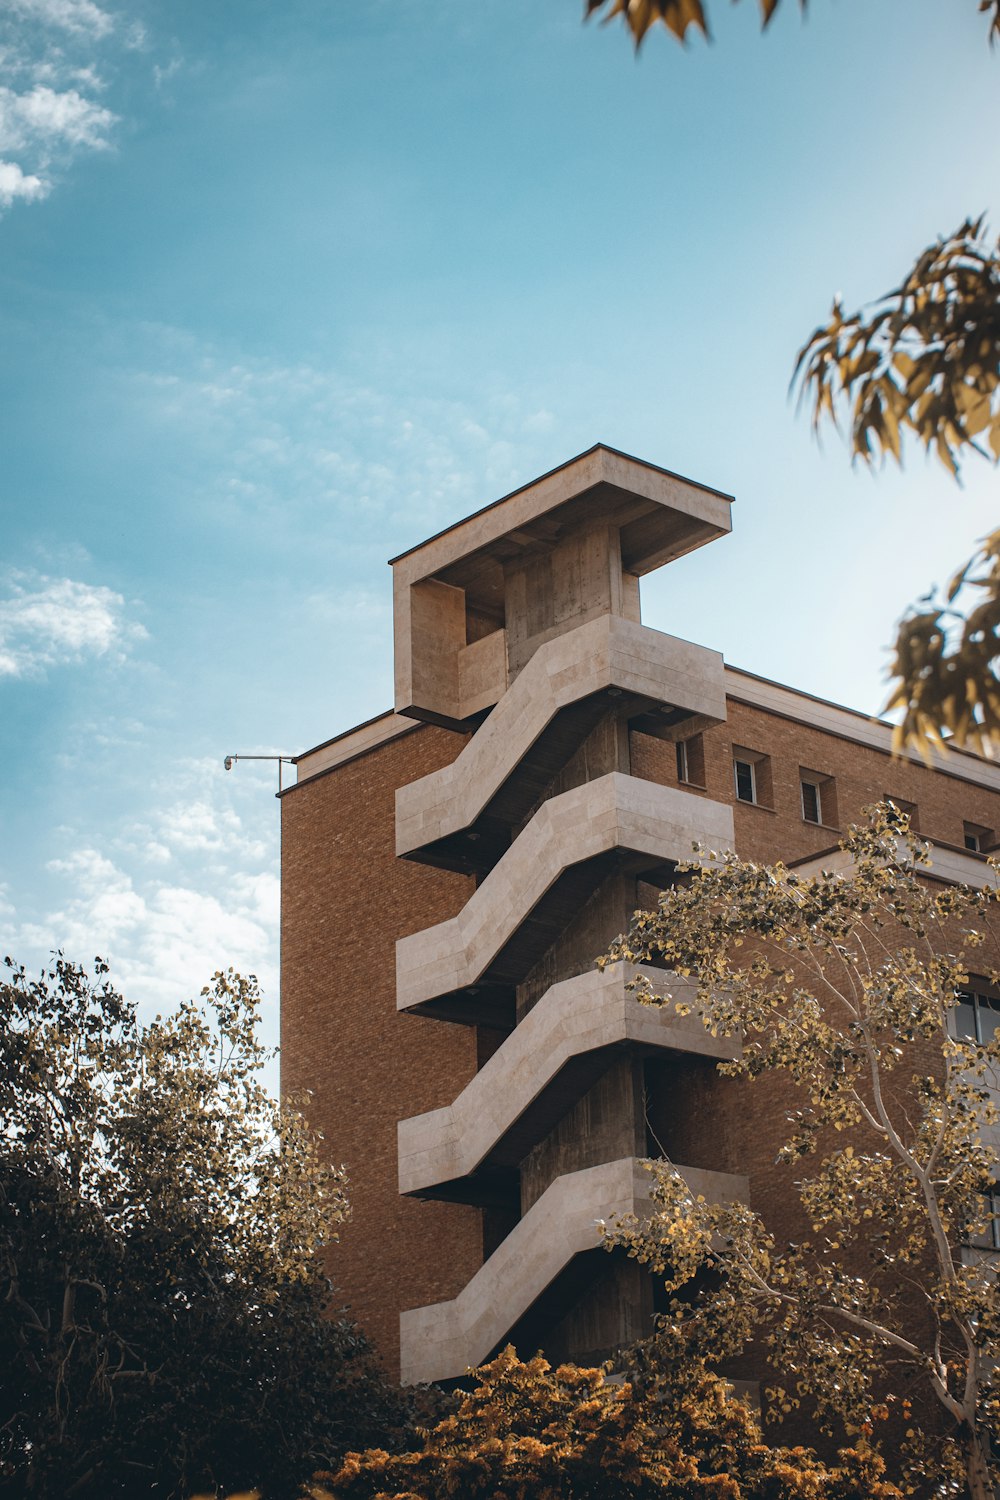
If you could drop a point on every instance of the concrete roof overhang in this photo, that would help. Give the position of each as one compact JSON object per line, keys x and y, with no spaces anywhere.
{"x":661,"y":516}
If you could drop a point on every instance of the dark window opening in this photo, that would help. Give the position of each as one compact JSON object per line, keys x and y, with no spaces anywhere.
{"x":746,"y":781}
{"x":691,"y":760}
{"x":812,"y":802}
{"x":977,"y":838}
{"x":909,"y":809}
{"x":988,"y":1237}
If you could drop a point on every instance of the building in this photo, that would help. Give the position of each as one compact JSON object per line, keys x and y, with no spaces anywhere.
{"x":451,"y":870}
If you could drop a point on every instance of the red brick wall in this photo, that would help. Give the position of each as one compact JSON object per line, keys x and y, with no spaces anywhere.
{"x":345,"y":899}
{"x":862,"y":776}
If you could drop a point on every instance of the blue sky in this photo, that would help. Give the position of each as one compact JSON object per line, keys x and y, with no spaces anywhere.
{"x":286,"y":288}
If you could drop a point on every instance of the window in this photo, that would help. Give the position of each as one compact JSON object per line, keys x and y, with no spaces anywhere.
{"x":818,"y":795}
{"x":752,"y":777}
{"x":989,"y":1236}
{"x":746,"y":781}
{"x":812,"y":802}
{"x":977,"y":838}
{"x":977,"y":1016}
{"x":909,"y":809}
{"x":691,"y":760}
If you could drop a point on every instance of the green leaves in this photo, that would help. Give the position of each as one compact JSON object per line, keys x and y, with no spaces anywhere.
{"x":163,"y":1220}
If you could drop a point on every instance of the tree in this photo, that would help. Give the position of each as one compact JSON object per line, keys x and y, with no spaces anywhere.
{"x":923,"y":359}
{"x":682,"y":16}
{"x":531,"y":1432}
{"x":845,"y":988}
{"x":162,"y":1303}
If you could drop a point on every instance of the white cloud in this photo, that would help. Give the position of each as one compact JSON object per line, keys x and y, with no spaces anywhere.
{"x":164,"y":940}
{"x":44,"y":118}
{"x":81,"y":17}
{"x":59,"y":621}
{"x":199,"y":827}
{"x":52,"y":72}
{"x":167,"y":899}
{"x":14,"y":183}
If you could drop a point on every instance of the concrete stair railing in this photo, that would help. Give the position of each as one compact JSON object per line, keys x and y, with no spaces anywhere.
{"x":442,"y":1341}
{"x":614,"y":812}
{"x":574,"y":1017}
{"x":608,"y":652}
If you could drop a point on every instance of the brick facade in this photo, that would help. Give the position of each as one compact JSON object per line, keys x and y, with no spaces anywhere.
{"x":345,"y":898}
{"x":538,"y":807}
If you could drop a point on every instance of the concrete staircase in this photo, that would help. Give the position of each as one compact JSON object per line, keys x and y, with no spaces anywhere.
{"x":447,"y":1338}
{"x":548,"y":1060}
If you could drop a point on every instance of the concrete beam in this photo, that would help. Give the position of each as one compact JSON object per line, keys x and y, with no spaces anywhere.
{"x":948,"y":863}
{"x":680,"y":506}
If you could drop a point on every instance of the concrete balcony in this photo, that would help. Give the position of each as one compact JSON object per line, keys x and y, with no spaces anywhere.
{"x":566,"y":687}
{"x":567,"y":848}
{"x":560,"y":1048}
{"x":442,"y":1341}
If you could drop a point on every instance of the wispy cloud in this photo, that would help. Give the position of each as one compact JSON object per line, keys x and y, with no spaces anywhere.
{"x":44,"y":119}
{"x":81,"y":17}
{"x":52,"y":67}
{"x":164,"y":938}
{"x":56,"y":621}
{"x":310,"y":432}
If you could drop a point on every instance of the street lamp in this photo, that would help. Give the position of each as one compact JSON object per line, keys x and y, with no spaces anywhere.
{"x":283,"y":760}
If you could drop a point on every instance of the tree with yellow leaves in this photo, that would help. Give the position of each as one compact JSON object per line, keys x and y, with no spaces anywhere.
{"x":527,"y":1431}
{"x":847,"y":988}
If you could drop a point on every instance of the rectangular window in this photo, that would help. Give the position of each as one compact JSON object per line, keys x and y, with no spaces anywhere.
{"x":989,"y":1237}
{"x":746,"y":780}
{"x":752,"y":777}
{"x":818,"y":797}
{"x":977,"y":838}
{"x":812,"y":802}
{"x":993,"y":1228}
{"x":977,"y":1016}
{"x":691,"y":760}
